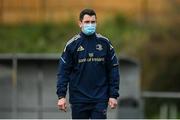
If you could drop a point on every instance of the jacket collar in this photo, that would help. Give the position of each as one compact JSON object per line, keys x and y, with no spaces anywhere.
{"x":88,"y":36}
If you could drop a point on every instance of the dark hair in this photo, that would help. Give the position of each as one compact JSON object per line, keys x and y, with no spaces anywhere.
{"x":89,"y":12}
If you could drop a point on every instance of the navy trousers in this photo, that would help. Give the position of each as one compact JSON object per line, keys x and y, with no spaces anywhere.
{"x":89,"y":110}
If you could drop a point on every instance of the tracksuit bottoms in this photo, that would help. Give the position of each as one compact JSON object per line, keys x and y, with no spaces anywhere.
{"x":89,"y":110}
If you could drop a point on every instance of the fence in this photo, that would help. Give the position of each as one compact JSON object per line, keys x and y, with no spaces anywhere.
{"x":168,"y":109}
{"x":33,"y":11}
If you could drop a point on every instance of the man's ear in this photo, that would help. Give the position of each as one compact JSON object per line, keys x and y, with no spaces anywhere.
{"x":80,"y":24}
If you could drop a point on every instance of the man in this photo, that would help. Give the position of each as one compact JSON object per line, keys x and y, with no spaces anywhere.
{"x":90,"y":67}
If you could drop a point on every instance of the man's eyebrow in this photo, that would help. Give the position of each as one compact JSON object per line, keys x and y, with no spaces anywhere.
{"x":90,"y":21}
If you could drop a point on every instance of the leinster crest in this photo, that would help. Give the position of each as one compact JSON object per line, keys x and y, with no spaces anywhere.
{"x":99,"y":47}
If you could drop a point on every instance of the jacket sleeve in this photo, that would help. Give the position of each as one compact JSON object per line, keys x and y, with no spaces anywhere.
{"x":113,"y":72}
{"x":64,"y":71}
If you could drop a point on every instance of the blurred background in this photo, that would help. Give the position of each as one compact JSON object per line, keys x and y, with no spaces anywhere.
{"x":33,"y":34}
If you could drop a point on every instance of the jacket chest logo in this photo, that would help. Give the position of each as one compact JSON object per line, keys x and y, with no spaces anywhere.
{"x":99,"y":47}
{"x":80,"y":48}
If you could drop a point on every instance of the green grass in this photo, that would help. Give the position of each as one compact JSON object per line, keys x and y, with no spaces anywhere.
{"x":51,"y":38}
{"x":39,"y":38}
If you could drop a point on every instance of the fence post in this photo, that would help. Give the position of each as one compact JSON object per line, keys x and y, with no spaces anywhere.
{"x":1,"y":11}
{"x":14,"y":84}
{"x":40,"y":87}
{"x":163,"y":111}
{"x":173,"y":111}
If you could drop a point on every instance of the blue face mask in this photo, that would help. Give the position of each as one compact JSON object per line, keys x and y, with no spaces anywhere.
{"x":89,"y":29}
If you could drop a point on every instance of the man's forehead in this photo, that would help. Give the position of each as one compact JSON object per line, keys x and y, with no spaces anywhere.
{"x":92,"y":17}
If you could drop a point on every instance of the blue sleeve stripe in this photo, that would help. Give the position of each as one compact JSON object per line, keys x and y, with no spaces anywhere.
{"x":112,"y":57}
{"x":63,"y":60}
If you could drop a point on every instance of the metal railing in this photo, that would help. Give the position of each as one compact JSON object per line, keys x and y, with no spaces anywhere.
{"x":167,"y":109}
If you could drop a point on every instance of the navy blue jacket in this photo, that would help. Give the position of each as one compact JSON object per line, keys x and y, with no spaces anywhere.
{"x":90,"y":67}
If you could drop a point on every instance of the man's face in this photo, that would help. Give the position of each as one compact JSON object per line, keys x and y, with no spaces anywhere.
{"x":87,"y":20}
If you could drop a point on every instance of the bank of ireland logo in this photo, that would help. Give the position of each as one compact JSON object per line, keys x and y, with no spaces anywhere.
{"x":91,"y":54}
{"x":99,"y":47}
{"x":80,"y":48}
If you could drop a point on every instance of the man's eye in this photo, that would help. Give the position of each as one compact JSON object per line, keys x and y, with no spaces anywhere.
{"x":93,"y":22}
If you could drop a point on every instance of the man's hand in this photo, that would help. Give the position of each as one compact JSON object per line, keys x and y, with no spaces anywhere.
{"x":112,"y":103}
{"x":62,"y":104}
